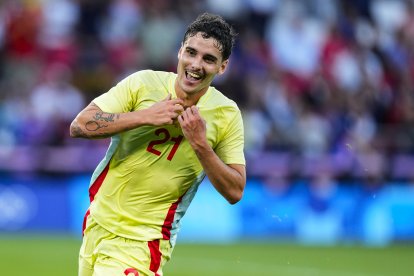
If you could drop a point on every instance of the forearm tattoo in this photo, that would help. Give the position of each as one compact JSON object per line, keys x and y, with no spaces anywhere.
{"x":94,"y":126}
{"x":101,"y":120}
{"x":107,"y":117}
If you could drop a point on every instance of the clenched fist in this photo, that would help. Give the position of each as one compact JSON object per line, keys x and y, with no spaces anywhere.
{"x":165,"y":111}
{"x":193,"y":126}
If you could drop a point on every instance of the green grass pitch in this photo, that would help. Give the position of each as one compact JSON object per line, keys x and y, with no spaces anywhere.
{"x":41,"y":256}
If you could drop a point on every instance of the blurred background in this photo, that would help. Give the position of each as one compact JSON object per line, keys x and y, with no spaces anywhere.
{"x":325,"y":87}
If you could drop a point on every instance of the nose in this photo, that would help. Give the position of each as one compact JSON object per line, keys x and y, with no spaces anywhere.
{"x":196,"y":63}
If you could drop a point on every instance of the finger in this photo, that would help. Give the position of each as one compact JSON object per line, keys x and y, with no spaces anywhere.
{"x":178,"y":108}
{"x":194,"y":110}
{"x":177,"y":101}
{"x":167,"y":98}
{"x":180,"y":119}
{"x":175,"y":114}
{"x":185,"y":114}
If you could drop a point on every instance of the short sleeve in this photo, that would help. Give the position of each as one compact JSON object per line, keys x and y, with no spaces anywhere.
{"x":231,"y":145}
{"x":120,"y":98}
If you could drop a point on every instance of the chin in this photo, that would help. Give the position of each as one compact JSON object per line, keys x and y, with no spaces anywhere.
{"x":189,"y":89}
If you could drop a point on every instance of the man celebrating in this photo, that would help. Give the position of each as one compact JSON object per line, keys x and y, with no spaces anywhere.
{"x":168,"y":131}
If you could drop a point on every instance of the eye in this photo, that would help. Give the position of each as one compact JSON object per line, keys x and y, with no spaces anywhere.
{"x":191,"y":52}
{"x":210,"y":59}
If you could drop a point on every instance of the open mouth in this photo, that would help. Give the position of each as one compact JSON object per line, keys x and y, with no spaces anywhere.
{"x":193,"y":76}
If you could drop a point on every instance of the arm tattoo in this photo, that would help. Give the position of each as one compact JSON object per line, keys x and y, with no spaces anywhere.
{"x":94,"y":125}
{"x":107,"y":117}
{"x":100,"y":120}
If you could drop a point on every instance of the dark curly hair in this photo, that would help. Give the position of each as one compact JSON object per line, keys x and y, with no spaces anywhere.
{"x":211,"y":25}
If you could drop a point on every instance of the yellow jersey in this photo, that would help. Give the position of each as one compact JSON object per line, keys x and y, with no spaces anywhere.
{"x":149,"y":175}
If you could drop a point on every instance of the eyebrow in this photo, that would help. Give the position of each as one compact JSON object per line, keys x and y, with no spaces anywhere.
{"x":190,"y":48}
{"x":212,"y":57}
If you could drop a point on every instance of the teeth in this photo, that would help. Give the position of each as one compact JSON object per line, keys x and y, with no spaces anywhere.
{"x":194,"y":75}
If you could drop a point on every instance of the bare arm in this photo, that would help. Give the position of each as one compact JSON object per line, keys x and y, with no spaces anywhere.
{"x":229,"y":180}
{"x":93,"y":123}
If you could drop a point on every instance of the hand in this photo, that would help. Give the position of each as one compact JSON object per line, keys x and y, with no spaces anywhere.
{"x":193,"y":126}
{"x":165,"y":111}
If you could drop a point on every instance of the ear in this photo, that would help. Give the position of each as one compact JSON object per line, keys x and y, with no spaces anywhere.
{"x":179,"y":51}
{"x":223,"y":67}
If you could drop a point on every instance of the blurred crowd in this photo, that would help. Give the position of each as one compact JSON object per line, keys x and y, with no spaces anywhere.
{"x":327,"y":80}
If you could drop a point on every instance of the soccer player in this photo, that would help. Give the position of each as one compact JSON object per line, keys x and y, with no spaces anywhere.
{"x":168,"y":131}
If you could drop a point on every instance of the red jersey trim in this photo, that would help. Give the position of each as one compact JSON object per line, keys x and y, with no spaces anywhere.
{"x":166,"y":227}
{"x":93,"y":190}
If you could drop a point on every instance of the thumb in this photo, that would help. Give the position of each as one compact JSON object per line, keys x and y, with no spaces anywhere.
{"x":167,"y":98}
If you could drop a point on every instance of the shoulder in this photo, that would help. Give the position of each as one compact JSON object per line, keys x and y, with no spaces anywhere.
{"x":218,"y":100}
{"x":150,"y":76}
{"x":144,"y":80}
{"x":225,"y":110}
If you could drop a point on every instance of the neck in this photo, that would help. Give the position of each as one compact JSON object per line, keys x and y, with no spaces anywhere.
{"x":189,"y":99}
